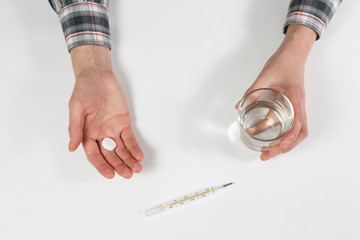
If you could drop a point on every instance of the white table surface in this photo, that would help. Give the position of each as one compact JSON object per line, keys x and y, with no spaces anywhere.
{"x":183,"y":66}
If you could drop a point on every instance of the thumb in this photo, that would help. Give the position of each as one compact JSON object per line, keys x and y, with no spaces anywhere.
{"x":76,"y":124}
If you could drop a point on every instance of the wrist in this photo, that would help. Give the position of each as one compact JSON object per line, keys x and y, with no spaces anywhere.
{"x":298,"y":42}
{"x":90,"y":57}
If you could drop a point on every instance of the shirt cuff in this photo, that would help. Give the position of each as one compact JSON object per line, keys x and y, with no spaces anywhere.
{"x":85,"y":23}
{"x":305,"y":19}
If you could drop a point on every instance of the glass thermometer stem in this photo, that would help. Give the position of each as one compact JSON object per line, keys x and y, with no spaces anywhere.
{"x":189,"y":198}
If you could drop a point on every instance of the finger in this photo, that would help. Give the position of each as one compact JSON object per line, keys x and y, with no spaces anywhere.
{"x":271,"y":154}
{"x":76,"y":124}
{"x":292,"y":135}
{"x":290,"y":145}
{"x":288,"y":139}
{"x":271,"y":145}
{"x":237,"y":105}
{"x":126,"y":156}
{"x":302,"y":135}
{"x":96,"y":159}
{"x":285,"y":142}
{"x":131,"y":144}
{"x":117,"y":164}
{"x":265,"y":156}
{"x":270,"y":120}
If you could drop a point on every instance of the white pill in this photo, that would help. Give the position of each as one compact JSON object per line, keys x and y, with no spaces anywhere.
{"x":109,"y":144}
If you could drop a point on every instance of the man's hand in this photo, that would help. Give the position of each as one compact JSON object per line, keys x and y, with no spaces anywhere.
{"x":284,"y":72}
{"x":97,"y":110}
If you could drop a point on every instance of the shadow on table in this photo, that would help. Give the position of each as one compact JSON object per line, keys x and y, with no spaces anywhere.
{"x":115,"y":19}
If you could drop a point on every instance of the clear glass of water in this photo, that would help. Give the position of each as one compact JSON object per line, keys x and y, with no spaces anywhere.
{"x":265,"y":115}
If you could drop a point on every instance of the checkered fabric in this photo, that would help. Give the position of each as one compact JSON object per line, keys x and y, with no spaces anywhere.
{"x":315,"y":14}
{"x":84,"y":22}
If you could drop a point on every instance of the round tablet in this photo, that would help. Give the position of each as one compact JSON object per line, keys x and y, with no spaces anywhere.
{"x":109,"y":144}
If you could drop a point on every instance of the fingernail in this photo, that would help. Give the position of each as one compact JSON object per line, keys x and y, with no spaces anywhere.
{"x":128,"y":175}
{"x":285,"y":143}
{"x":137,"y":169}
{"x":109,"y":174}
{"x":250,"y":130}
{"x":139,"y":157}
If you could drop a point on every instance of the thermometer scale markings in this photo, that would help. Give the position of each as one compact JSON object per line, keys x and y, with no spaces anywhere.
{"x":188,"y":198}
{"x":184,"y":200}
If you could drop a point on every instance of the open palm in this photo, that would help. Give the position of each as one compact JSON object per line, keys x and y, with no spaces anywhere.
{"x":98,"y":110}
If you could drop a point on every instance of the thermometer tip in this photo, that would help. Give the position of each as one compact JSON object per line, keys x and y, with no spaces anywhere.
{"x":228,"y":184}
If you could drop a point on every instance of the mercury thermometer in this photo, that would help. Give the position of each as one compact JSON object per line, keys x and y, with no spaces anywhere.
{"x":181,"y":201}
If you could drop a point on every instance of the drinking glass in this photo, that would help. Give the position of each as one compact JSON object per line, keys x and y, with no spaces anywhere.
{"x":264,"y":116}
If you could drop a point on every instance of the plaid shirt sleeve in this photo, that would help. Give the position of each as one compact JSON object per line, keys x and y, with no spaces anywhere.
{"x":315,"y":14}
{"x":84,"y":22}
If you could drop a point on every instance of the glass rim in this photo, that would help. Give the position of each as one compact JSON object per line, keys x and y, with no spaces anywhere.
{"x":286,"y":99}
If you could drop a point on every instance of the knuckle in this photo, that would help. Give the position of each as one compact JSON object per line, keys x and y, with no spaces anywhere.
{"x":134,"y":148}
{"x":130,"y":161}
{"x":136,"y":168}
{"x":286,"y":150}
{"x":127,"y":158}
{"x":306,"y":133}
{"x":297,"y":124}
{"x":87,"y":140}
{"x":122,"y":152}
{"x":75,"y":105}
{"x":107,"y":154}
{"x":92,"y":155}
{"x":300,"y":95}
{"x":119,"y":166}
{"x":102,"y":167}
{"x":130,"y":140}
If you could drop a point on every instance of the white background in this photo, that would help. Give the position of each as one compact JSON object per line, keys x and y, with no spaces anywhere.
{"x":183,"y":65}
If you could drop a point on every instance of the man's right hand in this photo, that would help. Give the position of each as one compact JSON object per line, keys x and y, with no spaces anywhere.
{"x":284,"y":72}
{"x":98,"y":110}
